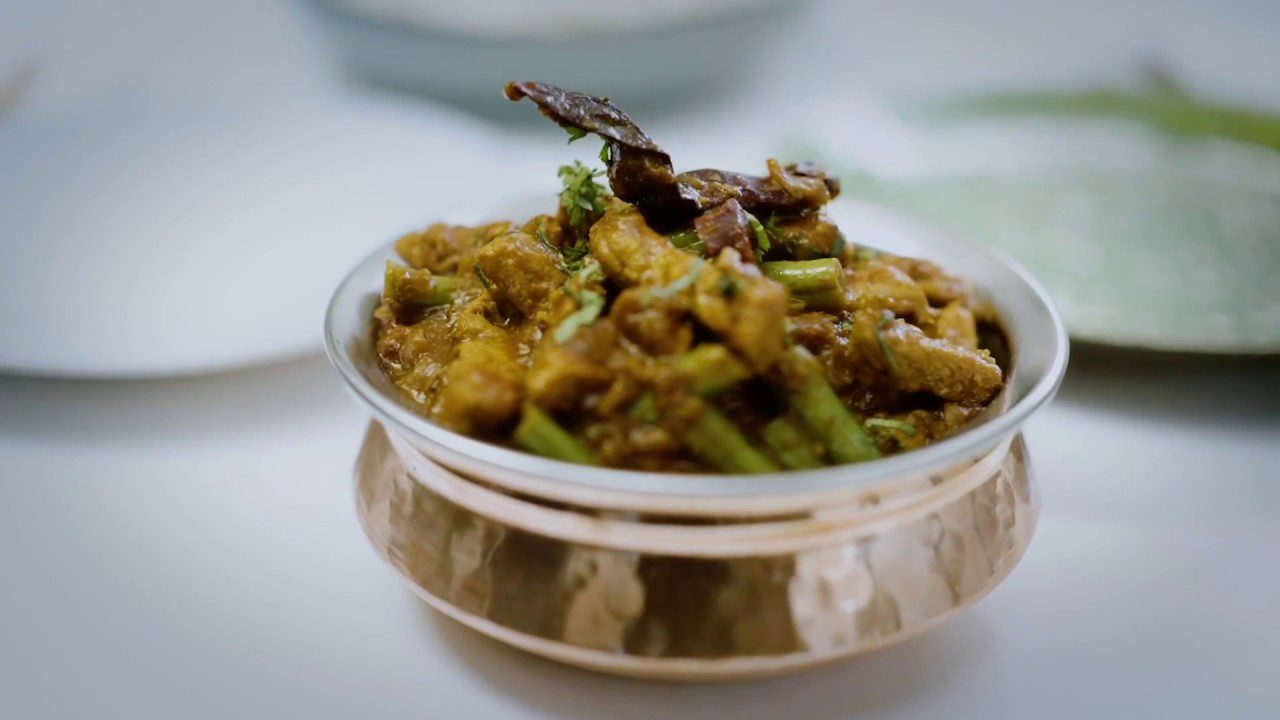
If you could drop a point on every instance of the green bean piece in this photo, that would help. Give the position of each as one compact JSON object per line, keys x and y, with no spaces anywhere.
{"x":832,"y":299}
{"x":712,"y":369}
{"x":689,"y":241}
{"x":411,"y":286}
{"x":846,"y":440}
{"x":717,"y":442}
{"x":698,"y":248}
{"x":684,"y":238}
{"x":539,"y":433}
{"x":806,"y":276}
{"x":791,"y":444}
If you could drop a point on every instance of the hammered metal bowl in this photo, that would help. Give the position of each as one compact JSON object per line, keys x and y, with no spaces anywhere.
{"x":699,"y":577}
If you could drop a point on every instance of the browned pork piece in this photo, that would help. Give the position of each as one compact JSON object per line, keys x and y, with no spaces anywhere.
{"x":521,"y":269}
{"x":748,"y":310}
{"x":875,"y":352}
{"x":483,"y":385}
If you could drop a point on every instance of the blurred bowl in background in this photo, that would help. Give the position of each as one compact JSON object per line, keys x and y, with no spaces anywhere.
{"x":643,"y":54}
{"x":150,"y":241}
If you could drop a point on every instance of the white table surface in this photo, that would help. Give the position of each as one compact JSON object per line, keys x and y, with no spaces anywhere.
{"x":189,"y":548}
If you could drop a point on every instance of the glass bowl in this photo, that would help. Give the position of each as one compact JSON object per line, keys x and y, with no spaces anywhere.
{"x":705,"y":576}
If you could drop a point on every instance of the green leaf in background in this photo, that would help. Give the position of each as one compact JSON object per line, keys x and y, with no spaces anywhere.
{"x":1162,"y":103}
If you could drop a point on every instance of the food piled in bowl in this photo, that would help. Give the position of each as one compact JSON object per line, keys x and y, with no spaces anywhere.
{"x":682,"y":322}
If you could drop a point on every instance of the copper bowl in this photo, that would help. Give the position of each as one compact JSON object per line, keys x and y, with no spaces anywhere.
{"x":705,"y":576}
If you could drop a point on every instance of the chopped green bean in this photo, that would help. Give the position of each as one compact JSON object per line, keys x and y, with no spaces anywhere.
{"x":539,"y":433}
{"x":412,"y":286}
{"x":806,"y":276}
{"x":712,"y":369}
{"x":833,"y":299}
{"x":684,"y":238}
{"x":790,"y":444}
{"x":846,"y":440}
{"x":716,"y":441}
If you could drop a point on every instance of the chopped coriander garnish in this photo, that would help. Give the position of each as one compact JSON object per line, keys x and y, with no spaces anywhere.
{"x":541,"y":234}
{"x":884,"y":345}
{"x":582,"y":195}
{"x":845,"y":326}
{"x":484,"y":279}
{"x":586,"y":275}
{"x":606,"y":155}
{"x":575,"y":133}
{"x":680,"y":284}
{"x":901,"y":426}
{"x":590,"y":302}
{"x":576,"y":254}
{"x":571,"y":257}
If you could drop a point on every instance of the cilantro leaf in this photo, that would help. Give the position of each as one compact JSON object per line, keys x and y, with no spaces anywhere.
{"x":591,"y":305}
{"x":680,"y":284}
{"x":590,"y":302}
{"x":582,"y":195}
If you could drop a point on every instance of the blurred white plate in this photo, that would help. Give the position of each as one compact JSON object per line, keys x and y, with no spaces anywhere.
{"x":143,"y":241}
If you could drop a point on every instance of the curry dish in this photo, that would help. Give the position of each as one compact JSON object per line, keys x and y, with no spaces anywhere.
{"x":681,"y":322}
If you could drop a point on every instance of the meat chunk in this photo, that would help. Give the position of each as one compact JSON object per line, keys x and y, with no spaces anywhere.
{"x":730,"y":298}
{"x":659,"y":326}
{"x":809,"y":236}
{"x":444,"y":248}
{"x":482,"y":386}
{"x":749,"y":311}
{"x":563,"y":375}
{"x":522,"y":269}
{"x":876,"y":286}
{"x":955,"y":324}
{"x":948,"y":371}
{"x":875,"y":353}
{"x":724,"y":227}
{"x":938,"y":286}
{"x":816,"y":331}
{"x":415,"y":356}
{"x":631,"y":252}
